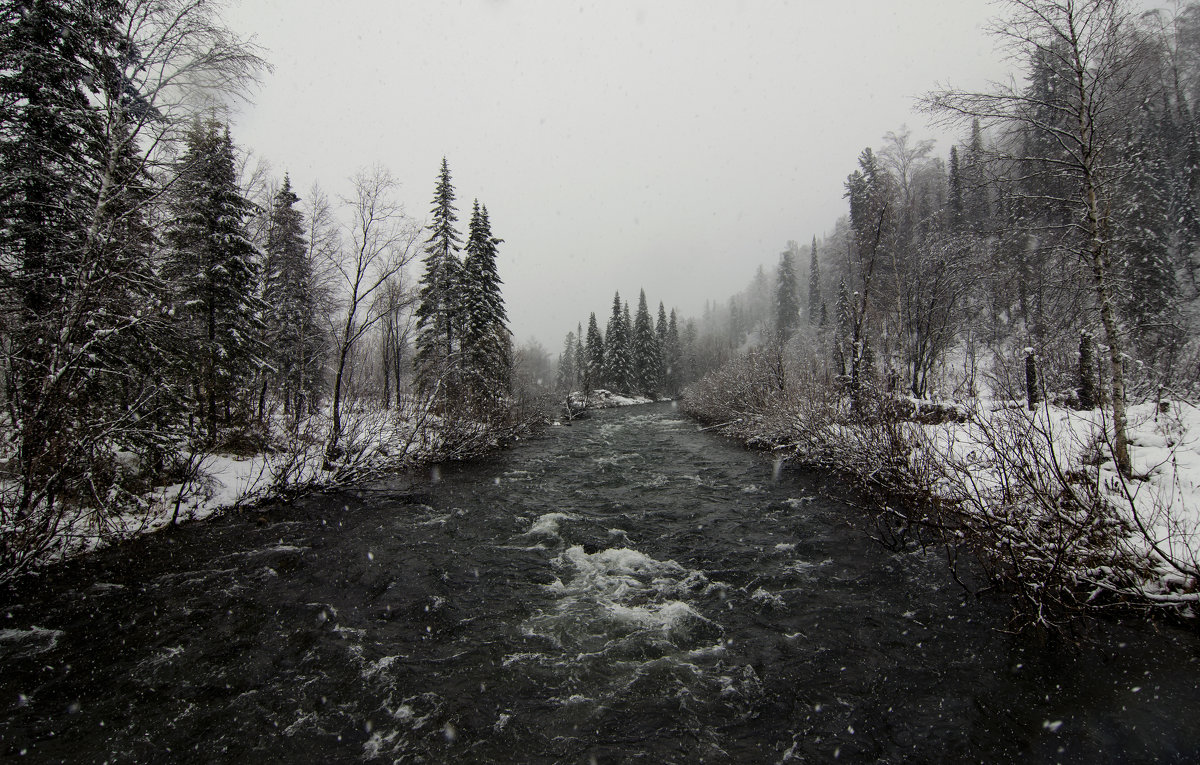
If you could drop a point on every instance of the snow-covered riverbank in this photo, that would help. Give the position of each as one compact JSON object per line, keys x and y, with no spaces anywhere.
{"x":1034,"y":494}
{"x":293,"y":461}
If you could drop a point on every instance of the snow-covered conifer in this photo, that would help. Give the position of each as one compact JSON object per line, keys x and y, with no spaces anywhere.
{"x":212,"y":267}
{"x":486,"y":341}
{"x":647,"y":356}
{"x":436,"y":317}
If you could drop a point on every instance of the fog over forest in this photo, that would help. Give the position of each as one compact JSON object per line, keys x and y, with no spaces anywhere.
{"x":517,"y":380}
{"x":671,"y":146}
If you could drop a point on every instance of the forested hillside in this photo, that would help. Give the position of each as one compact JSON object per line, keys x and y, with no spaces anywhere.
{"x":175,"y":318}
{"x":1038,"y":281}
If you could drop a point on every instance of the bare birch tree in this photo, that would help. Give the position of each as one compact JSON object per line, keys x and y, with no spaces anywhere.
{"x":381,"y":240}
{"x":1086,"y":43}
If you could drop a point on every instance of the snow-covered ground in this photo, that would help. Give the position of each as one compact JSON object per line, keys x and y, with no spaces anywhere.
{"x":1034,"y":493}
{"x":374,"y":440}
{"x":980,"y":460}
{"x":604,"y":399}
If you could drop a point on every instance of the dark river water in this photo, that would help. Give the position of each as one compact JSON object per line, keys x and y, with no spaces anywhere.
{"x":626,"y":589}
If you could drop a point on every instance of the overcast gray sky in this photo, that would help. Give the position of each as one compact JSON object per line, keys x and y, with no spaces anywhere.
{"x":667,"y":145}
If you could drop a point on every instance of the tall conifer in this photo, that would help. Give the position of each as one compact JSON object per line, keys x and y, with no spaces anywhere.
{"x":436,"y":309}
{"x":596,"y":368}
{"x":211,"y":264}
{"x":646,"y":354}
{"x":814,"y":287}
{"x":485,"y":337}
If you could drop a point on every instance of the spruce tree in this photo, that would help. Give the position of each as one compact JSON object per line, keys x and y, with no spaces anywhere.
{"x":814,"y":286}
{"x":628,"y":373}
{"x":787,"y":308}
{"x":647,"y":356}
{"x":616,"y":350}
{"x":566,"y":364}
{"x":954,"y":184}
{"x":841,"y":343}
{"x":1088,"y":387}
{"x":672,"y":358}
{"x":596,"y":368}
{"x":485,"y":338}
{"x":1143,"y":231}
{"x":578,"y":361}
{"x":660,"y":336}
{"x":976,"y":204}
{"x":289,"y":290}
{"x":52,"y":58}
{"x":436,"y":311}
{"x":211,"y":265}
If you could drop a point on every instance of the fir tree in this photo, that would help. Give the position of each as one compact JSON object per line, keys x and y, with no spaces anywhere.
{"x":436,"y":310}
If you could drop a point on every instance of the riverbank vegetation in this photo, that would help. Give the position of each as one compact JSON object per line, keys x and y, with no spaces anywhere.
{"x":1001,"y":341}
{"x":182,"y":330}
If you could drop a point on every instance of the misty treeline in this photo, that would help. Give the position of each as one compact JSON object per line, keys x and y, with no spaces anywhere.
{"x":1070,"y":197}
{"x":636,"y":353}
{"x":161,"y":300}
{"x":1049,"y":256}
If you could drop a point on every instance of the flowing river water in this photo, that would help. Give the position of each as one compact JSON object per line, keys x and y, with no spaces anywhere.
{"x":625,"y":589}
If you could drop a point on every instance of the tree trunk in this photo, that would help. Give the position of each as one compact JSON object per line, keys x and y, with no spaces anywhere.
{"x":387,"y":370}
{"x":335,"y":430}
{"x":1116,"y":355}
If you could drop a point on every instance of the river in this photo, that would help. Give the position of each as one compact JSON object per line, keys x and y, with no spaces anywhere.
{"x":623,"y":589}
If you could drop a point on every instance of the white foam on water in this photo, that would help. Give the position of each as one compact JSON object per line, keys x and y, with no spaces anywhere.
{"x":377,"y":744}
{"x":547,"y":524}
{"x":715,"y":651}
{"x":654,"y":481}
{"x":380,"y":666}
{"x":617,"y":562}
{"x":768,"y":599}
{"x":662,"y":616}
{"x":29,"y":642}
{"x":304,"y":722}
{"x":804,"y":567}
{"x":280,"y":548}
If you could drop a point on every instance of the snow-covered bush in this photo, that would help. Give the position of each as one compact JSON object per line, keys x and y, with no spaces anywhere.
{"x":1033,"y":495}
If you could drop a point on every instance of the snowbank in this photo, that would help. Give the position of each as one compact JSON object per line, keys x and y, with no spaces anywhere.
{"x":374,"y":441}
{"x":603,"y":399}
{"x":981,"y":464}
{"x":1034,"y":494}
